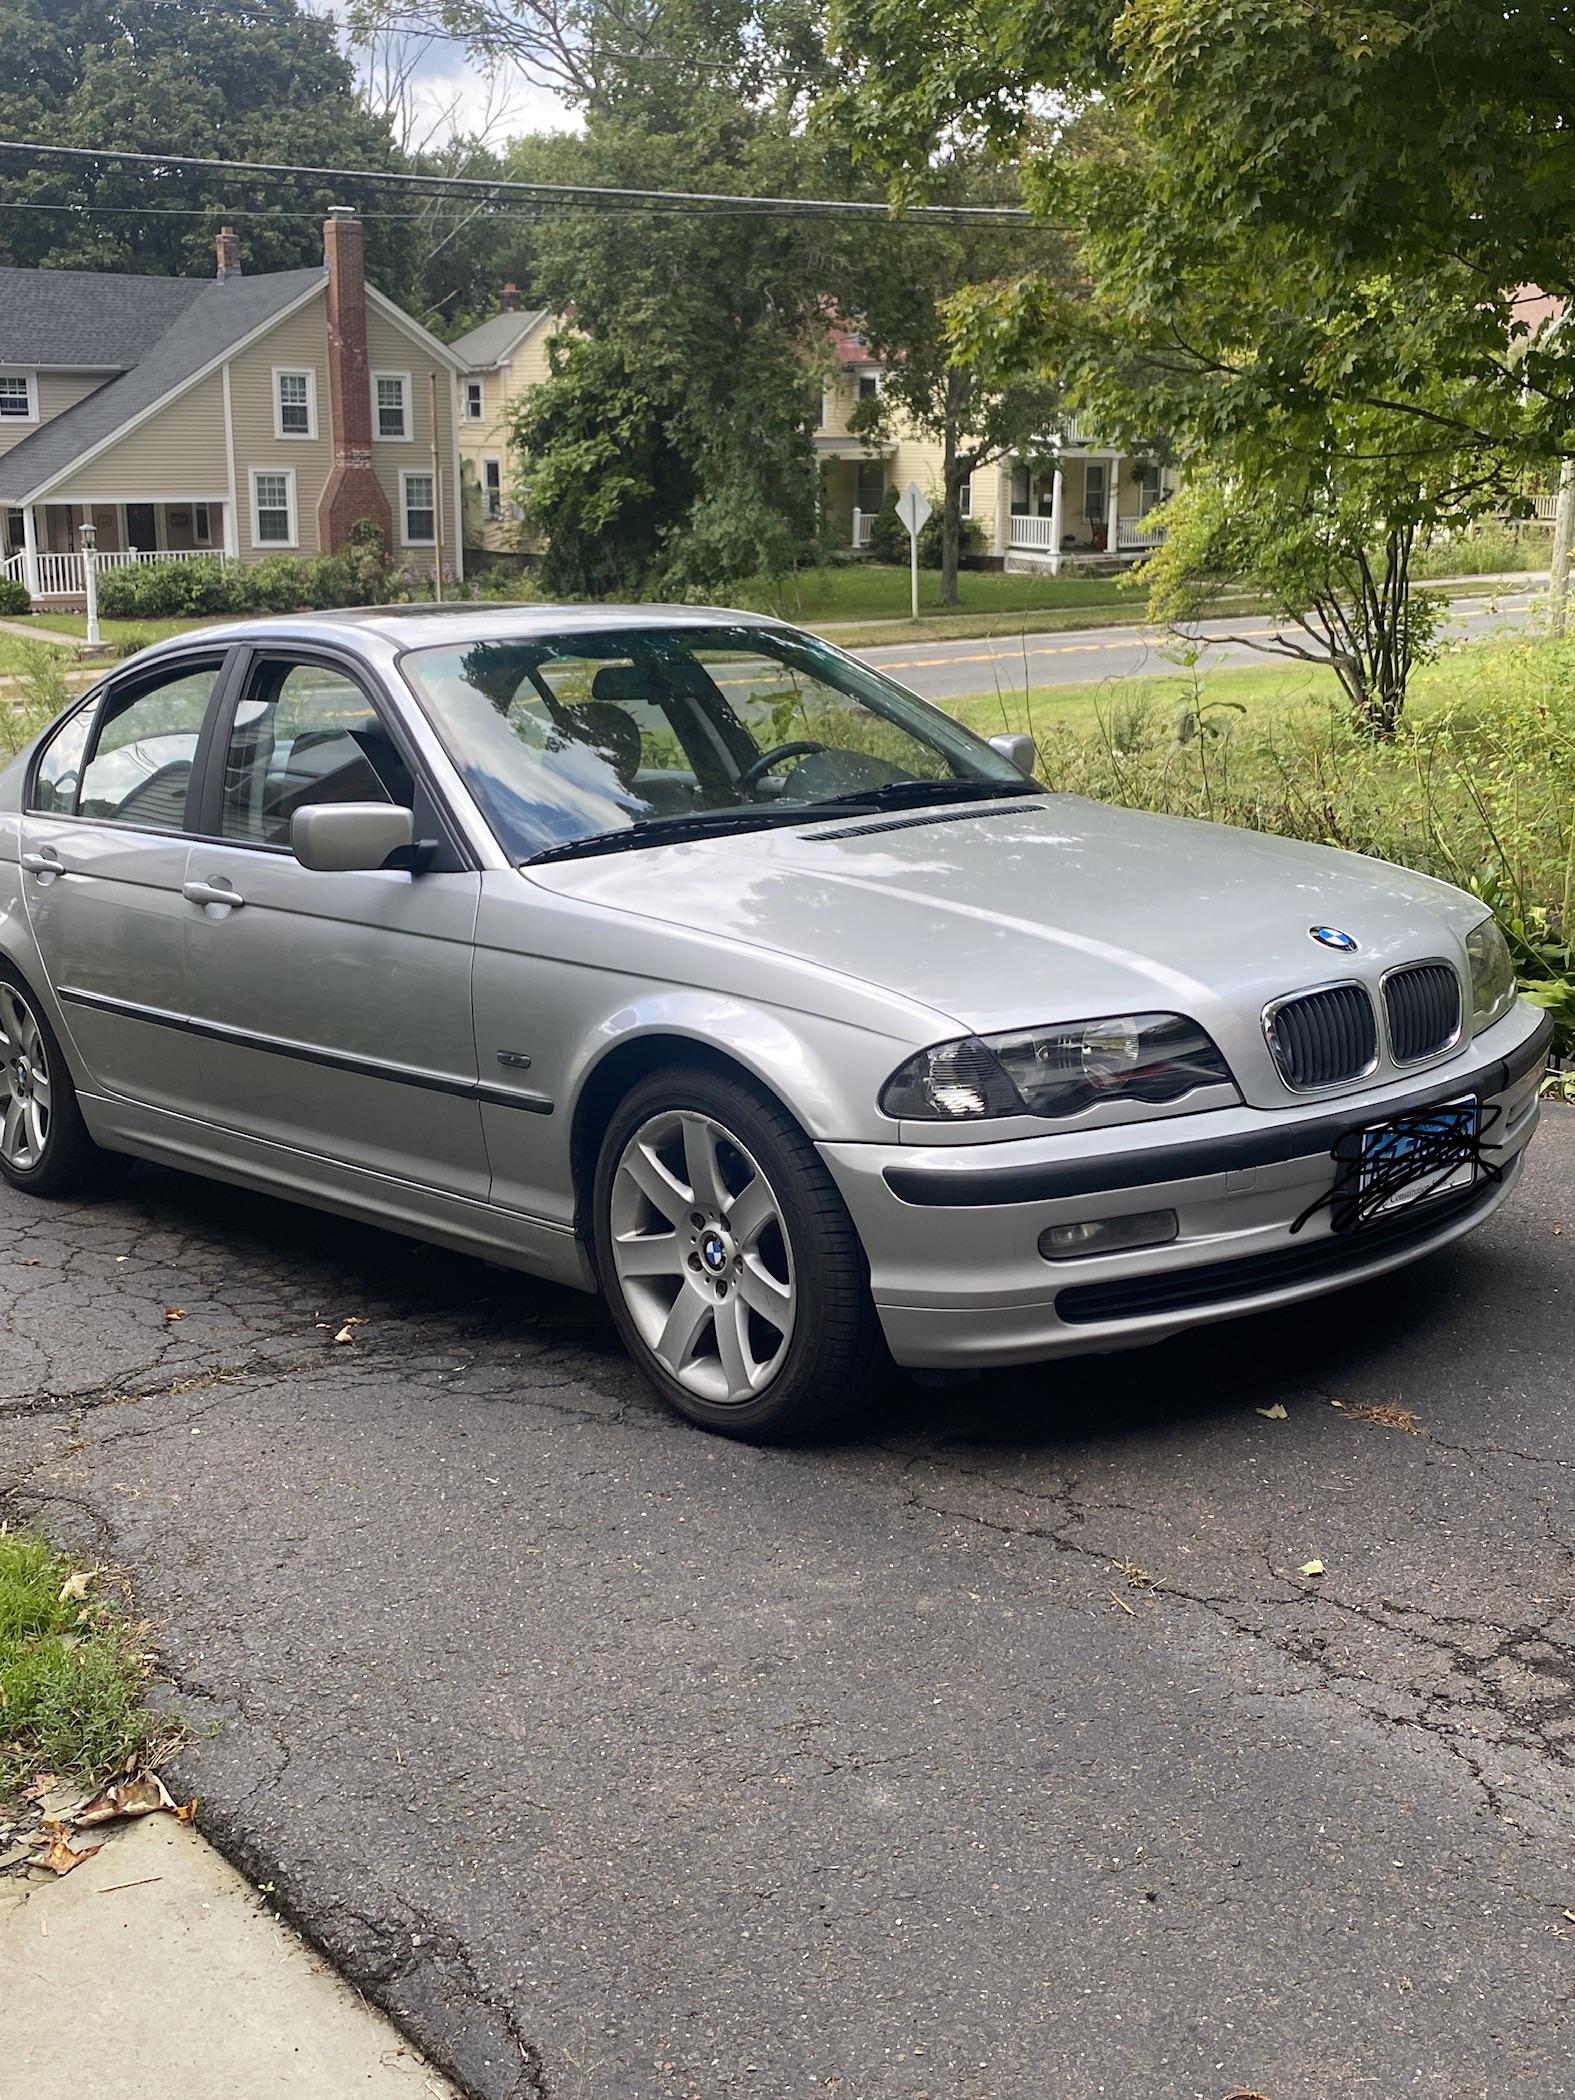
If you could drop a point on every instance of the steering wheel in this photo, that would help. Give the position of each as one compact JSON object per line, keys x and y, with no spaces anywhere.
{"x":757,"y":769}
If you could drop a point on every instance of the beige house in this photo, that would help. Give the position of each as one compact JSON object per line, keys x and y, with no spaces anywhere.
{"x":501,"y":359}
{"x":1077,"y":501}
{"x":237,"y":416}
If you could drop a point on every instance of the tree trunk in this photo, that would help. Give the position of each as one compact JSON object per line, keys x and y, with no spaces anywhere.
{"x":951,"y":514}
{"x":1563,"y":534}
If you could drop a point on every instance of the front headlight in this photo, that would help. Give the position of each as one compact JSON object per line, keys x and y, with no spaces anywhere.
{"x":1492,"y":975}
{"x":1056,"y":1071}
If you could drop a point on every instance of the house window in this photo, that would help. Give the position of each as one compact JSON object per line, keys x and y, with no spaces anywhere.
{"x":472,"y":400}
{"x":1094,"y":493}
{"x":869,"y":385}
{"x":492,"y":487}
{"x":965,"y":498}
{"x":273,"y":507}
{"x":1021,"y":484}
{"x":415,"y":491}
{"x":201,"y":525}
{"x":391,"y":404}
{"x":18,"y":397}
{"x":1150,"y":489}
{"x":294,"y":403}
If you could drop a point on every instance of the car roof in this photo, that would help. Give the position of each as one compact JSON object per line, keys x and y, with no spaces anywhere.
{"x":423,"y":626}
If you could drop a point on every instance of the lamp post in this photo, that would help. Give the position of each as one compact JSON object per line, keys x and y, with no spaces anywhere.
{"x":90,"y":580}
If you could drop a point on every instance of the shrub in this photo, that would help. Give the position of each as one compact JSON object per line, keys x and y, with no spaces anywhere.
{"x":888,"y":534}
{"x":969,"y":540}
{"x":13,"y":598}
{"x":208,"y":588}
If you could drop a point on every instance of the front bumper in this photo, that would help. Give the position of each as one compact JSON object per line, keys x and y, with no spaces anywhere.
{"x":952,"y":1231}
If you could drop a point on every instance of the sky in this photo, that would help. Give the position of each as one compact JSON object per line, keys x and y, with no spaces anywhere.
{"x":450,"y":93}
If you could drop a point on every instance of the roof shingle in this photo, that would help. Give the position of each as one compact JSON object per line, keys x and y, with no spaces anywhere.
{"x":198,"y":326}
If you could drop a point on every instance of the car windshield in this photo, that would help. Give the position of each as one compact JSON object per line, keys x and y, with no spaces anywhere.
{"x":591,"y":742}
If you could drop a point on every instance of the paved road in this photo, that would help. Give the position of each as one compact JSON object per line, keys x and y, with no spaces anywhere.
{"x":1001,"y":1755}
{"x":953,"y":670}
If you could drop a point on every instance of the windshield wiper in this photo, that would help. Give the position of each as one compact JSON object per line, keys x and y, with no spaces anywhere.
{"x":702,"y":824}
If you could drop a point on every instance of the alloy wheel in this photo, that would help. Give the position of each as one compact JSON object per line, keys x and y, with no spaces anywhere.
{"x":24,"y":1083}
{"x":702,"y":1256}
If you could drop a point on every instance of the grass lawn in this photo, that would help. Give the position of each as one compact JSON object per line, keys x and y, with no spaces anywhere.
{"x":870,"y":590}
{"x":116,"y":633}
{"x":71,"y":1671}
{"x":1260,"y":689}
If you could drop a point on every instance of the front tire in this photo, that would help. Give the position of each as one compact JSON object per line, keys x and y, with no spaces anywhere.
{"x":730,"y":1264}
{"x":45,"y":1149}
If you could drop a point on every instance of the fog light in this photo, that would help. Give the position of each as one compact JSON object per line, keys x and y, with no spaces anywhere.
{"x":1139,"y":1228}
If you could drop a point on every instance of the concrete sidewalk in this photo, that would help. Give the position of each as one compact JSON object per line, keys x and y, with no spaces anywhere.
{"x":154,"y":1972}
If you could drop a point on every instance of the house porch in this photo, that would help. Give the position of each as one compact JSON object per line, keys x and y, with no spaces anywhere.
{"x":43,"y":541}
{"x":1092,"y":504}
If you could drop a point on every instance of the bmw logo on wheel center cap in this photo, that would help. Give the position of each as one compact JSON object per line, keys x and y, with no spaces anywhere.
{"x":1332,"y":937}
{"x":712,"y":1252}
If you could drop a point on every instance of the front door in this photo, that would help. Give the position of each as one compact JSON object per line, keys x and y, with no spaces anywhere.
{"x":104,"y":849}
{"x":142,"y":526}
{"x":333,"y":1012}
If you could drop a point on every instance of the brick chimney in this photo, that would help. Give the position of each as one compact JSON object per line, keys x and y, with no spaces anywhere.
{"x":228,"y":247}
{"x":509,"y":299}
{"x":352,"y":490}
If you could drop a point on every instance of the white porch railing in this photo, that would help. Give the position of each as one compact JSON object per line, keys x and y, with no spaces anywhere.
{"x":1033,"y":532}
{"x":65,"y":576}
{"x":1545,"y":507}
{"x":1136,"y":536}
{"x":863,"y":527}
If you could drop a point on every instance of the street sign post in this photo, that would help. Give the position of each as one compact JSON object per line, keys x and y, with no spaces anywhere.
{"x":913,"y":507}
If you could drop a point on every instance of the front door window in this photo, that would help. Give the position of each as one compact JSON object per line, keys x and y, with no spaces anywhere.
{"x":303,"y":733}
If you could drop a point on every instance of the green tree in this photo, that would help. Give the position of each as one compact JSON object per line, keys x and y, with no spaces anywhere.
{"x":266,"y":83}
{"x":975,"y":405}
{"x":1339,"y":400}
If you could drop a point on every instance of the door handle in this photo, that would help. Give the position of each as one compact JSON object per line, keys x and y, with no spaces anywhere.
{"x":212,"y":893}
{"x":46,"y":863}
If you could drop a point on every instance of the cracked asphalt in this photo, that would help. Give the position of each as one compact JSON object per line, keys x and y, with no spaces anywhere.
{"x":1003,"y":1754}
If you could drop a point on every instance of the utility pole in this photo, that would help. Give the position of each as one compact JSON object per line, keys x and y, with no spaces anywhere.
{"x":437,"y":500}
{"x":1563,"y":536}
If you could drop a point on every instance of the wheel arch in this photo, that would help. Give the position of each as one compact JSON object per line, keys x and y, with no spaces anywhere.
{"x":621,"y":1068}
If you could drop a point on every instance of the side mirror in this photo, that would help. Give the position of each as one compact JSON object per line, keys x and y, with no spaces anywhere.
{"x":1019,"y":751}
{"x":346,"y":838}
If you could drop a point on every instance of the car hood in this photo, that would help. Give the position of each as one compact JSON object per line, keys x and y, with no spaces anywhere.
{"x":1055,"y":909}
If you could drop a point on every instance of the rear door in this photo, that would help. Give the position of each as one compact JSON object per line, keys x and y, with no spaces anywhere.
{"x":104,"y":846}
{"x":332,"y":1011}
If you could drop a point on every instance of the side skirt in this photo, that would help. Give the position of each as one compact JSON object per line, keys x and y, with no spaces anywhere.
{"x":458,"y":1222}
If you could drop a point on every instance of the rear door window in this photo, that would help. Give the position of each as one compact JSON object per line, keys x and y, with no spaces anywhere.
{"x":144,"y":747}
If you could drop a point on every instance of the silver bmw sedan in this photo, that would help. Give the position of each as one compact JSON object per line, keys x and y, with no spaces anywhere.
{"x":676,"y":954}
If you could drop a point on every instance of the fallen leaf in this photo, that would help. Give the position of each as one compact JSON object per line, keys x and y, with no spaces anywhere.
{"x":58,"y":1855}
{"x":173,"y":1312}
{"x":75,"y":1587}
{"x":1276,"y":1413}
{"x":347,"y":1332}
{"x":144,"y":1796}
{"x":187,"y":1813}
{"x":1310,"y":1567}
{"x":36,"y":1789}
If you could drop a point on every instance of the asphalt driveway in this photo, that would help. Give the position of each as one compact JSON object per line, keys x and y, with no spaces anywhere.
{"x":1005,"y":1752}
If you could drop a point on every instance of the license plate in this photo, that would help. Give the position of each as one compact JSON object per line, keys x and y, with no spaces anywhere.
{"x":1415,"y":1157}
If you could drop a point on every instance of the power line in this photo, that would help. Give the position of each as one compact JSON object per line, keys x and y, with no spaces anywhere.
{"x":486,"y":188}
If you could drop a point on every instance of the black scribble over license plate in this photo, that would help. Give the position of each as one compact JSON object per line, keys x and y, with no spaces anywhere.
{"x":1416,"y":1157}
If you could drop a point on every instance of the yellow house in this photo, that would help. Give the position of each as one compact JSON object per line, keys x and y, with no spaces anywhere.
{"x":500,"y":360}
{"x":236,"y":415}
{"x":1077,"y":500}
